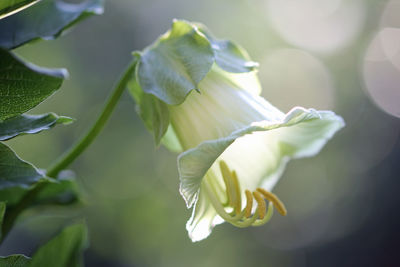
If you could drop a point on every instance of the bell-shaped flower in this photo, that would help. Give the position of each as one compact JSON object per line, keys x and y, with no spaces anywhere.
{"x":200,"y":97}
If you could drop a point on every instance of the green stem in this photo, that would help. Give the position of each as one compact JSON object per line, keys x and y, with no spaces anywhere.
{"x":70,"y":155}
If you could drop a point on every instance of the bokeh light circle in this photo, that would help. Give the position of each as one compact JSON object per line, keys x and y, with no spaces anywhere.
{"x":292,"y":77}
{"x":381,"y":70}
{"x":317,"y":25}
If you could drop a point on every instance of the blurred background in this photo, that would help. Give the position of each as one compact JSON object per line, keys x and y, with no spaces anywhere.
{"x":342,"y":55}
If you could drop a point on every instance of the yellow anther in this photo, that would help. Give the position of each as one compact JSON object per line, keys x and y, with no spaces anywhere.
{"x":249,"y":205}
{"x":275,"y":200}
{"x":238,"y":197}
{"x":261,"y":204}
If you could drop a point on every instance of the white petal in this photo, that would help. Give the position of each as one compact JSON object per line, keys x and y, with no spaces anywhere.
{"x":203,"y":220}
{"x":258,"y":152}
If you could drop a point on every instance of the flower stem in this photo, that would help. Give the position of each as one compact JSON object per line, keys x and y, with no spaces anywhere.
{"x":70,"y":155}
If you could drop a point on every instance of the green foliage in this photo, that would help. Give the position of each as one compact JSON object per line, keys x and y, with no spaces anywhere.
{"x":30,"y":124}
{"x":18,"y":177}
{"x":2,"y":211}
{"x":17,"y":260}
{"x":64,"y":250}
{"x":61,"y":191}
{"x":14,"y":172}
{"x":24,"y":85}
{"x":46,"y":20}
{"x":9,"y":7}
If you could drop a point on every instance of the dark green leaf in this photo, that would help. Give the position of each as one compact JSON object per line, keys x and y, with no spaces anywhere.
{"x":17,"y":260}
{"x":23,"y":85}
{"x":175,"y":64}
{"x":30,"y":124}
{"x":228,"y":55}
{"x":152,"y":111}
{"x":2,"y":211}
{"x":65,"y":250}
{"x":14,"y":172}
{"x":47,"y":20}
{"x":9,"y":7}
{"x":63,"y":191}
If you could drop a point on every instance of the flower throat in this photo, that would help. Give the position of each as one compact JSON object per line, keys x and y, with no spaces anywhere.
{"x":231,"y":210}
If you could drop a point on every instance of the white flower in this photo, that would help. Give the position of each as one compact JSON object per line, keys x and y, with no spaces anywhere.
{"x":234,"y":145}
{"x":228,"y":127}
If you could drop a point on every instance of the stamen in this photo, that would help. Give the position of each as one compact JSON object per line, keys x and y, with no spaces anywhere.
{"x":231,"y":211}
{"x":238,"y":197}
{"x":226,"y":175}
{"x":249,"y":204}
{"x":274,"y":199}
{"x":261,"y":204}
{"x":268,"y":216}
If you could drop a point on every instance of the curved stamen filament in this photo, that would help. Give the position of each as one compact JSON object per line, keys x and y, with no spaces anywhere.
{"x":238,"y":203}
{"x":237,"y":216}
{"x":274,"y":199}
{"x":226,"y":175}
{"x":268,"y":216}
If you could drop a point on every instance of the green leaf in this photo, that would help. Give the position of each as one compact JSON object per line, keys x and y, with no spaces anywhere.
{"x":14,"y":172}
{"x":30,"y":124}
{"x":24,"y":85}
{"x":61,"y":191}
{"x":65,"y":250}
{"x":9,"y":7}
{"x":17,"y":260}
{"x":46,"y":20}
{"x":175,"y":64}
{"x":228,"y":55}
{"x":2,"y":212}
{"x":152,"y":111}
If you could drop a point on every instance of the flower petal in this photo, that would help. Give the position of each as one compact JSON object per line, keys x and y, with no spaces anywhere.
{"x":203,"y":219}
{"x":302,"y":132}
{"x":227,"y":102}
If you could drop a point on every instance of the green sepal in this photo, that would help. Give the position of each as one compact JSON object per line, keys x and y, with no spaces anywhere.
{"x":174,"y":65}
{"x":24,"y":85}
{"x":228,"y":55}
{"x":44,"y":20}
{"x":16,"y":260}
{"x":30,"y":124}
{"x":152,"y":111}
{"x":171,"y":141}
{"x":168,"y":70}
{"x":9,"y":7}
